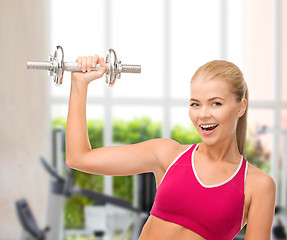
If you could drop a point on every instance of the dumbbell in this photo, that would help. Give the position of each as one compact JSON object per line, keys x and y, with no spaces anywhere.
{"x":56,"y":66}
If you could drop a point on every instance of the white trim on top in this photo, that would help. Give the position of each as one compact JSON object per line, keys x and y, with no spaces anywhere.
{"x":173,"y":162}
{"x":215,"y":185}
{"x":246,"y":170}
{"x":246,"y":167}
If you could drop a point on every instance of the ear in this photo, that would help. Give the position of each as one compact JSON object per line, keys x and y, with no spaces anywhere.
{"x":242,"y":107}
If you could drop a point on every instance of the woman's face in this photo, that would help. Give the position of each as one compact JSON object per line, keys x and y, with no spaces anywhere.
{"x":214,"y":110}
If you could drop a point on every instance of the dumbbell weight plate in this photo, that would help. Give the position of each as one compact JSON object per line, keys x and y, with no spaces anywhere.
{"x":112,"y":67}
{"x":58,"y":66}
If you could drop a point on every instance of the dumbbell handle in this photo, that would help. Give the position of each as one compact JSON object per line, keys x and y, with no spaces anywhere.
{"x":125,"y":68}
{"x":73,"y":67}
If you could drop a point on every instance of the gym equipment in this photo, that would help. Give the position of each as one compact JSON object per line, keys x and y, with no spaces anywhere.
{"x":27,"y":221}
{"x":56,"y":66}
{"x":278,"y":228}
{"x":62,"y":186}
{"x":116,"y":220}
{"x":65,"y":187}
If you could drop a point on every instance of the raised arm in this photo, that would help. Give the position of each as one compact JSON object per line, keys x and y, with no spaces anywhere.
{"x":111,"y":160}
{"x":77,"y":140}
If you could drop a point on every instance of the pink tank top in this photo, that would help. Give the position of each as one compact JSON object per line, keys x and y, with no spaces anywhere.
{"x":214,"y":212}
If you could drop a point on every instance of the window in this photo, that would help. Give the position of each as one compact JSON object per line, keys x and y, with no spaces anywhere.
{"x":171,"y":39}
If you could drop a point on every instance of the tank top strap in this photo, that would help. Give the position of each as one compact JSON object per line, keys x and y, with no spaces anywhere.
{"x":239,"y":179}
{"x":185,"y":157}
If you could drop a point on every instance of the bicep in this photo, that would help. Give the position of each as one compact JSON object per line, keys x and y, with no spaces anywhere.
{"x":120,"y":160}
{"x":261,"y":211}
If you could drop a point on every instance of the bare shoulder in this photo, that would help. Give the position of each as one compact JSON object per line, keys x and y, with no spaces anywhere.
{"x":260,"y":215}
{"x":259,"y":181}
{"x":166,"y":150}
{"x":164,"y":146}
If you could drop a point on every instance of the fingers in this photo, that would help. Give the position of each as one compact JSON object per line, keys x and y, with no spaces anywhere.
{"x":87,"y":63}
{"x":95,"y":60}
{"x":82,"y":63}
{"x":102,"y":62}
{"x":79,"y":61}
{"x":103,"y":66}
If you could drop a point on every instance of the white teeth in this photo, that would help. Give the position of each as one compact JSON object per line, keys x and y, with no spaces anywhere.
{"x":208,"y":126}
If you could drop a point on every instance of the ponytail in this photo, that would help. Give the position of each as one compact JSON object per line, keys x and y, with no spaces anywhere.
{"x":241,"y":129}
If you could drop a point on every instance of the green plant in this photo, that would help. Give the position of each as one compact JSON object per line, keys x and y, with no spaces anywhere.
{"x":135,"y":131}
{"x":185,"y":135}
{"x":95,"y":131}
{"x":256,"y":154}
{"x":123,"y":187}
{"x":74,"y":211}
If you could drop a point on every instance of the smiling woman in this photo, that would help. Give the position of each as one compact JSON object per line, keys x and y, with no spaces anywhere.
{"x":222,"y":187}
{"x":218,"y":90}
{"x":204,"y":191}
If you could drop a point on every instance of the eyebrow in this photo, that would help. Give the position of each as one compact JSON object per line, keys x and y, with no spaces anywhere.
{"x":193,"y":99}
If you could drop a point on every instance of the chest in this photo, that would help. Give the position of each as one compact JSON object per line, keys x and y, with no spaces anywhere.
{"x":213,"y":174}
{"x":181,"y":194}
{"x":182,"y":181}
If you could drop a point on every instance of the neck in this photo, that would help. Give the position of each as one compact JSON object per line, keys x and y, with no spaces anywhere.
{"x":226,"y":150}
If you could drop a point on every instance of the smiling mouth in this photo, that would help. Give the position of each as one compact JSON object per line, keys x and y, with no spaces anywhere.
{"x":209,"y":127}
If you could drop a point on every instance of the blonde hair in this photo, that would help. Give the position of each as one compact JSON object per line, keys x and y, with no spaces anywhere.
{"x":232,"y":74}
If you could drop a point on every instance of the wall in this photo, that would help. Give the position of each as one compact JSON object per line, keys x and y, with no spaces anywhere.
{"x":264,"y":61}
{"x":24,"y":118}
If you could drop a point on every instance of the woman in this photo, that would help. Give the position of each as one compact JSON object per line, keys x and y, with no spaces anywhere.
{"x":204,"y":191}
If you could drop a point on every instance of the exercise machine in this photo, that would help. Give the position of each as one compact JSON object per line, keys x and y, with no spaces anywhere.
{"x":28,"y":222}
{"x":63,"y":186}
{"x":66,"y":188}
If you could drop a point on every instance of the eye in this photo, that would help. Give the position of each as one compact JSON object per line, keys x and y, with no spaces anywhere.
{"x":217,"y":104}
{"x":194,"y":104}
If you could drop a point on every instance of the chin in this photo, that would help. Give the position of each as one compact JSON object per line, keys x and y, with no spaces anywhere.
{"x":210,"y":141}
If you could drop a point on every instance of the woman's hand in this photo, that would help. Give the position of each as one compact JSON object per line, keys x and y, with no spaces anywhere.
{"x":87,"y":75}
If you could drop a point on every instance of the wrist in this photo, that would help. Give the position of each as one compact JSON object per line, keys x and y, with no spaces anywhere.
{"x":79,"y":85}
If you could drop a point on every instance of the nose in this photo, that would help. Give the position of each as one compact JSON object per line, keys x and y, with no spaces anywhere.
{"x":204,"y":113}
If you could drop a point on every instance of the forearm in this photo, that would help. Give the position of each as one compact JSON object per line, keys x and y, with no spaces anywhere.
{"x":77,"y":139}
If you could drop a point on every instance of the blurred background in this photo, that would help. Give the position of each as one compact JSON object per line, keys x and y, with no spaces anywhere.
{"x":170,"y":39}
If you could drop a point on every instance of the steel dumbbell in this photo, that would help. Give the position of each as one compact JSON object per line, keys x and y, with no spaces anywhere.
{"x":56,"y":66}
